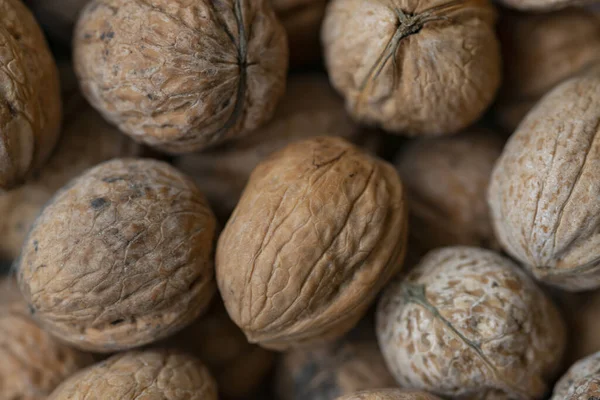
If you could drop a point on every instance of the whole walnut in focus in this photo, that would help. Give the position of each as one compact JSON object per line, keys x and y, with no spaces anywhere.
{"x":581,"y":382}
{"x":120,"y":257}
{"x":320,"y":229}
{"x":389,"y":394}
{"x":544,"y":189}
{"x":152,"y":374}
{"x":429,"y":67}
{"x":182,"y":75}
{"x":30,"y":104}
{"x":58,"y":17}
{"x":446,"y":181}
{"x":469,"y":323}
{"x":540,"y":51}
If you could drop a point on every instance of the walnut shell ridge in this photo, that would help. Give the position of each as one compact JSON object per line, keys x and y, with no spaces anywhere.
{"x":120,"y":257}
{"x":581,"y":382}
{"x":544,"y":188}
{"x":319,"y":230}
{"x":182,"y":75}
{"x":427,"y":67}
{"x":389,"y":394}
{"x":469,"y":323}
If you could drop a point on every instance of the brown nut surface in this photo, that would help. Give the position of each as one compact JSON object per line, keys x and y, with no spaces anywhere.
{"x":446,"y":181}
{"x":467,"y":322}
{"x":148,"y":375}
{"x":581,"y":382}
{"x":120,"y":257}
{"x":426,"y":67}
{"x":30,"y":105}
{"x":389,"y":394}
{"x":544,"y":188}
{"x":182,"y":75}
{"x":319,"y":230}
{"x":540,"y":51}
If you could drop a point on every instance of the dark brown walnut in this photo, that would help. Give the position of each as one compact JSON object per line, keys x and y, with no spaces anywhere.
{"x":389,"y":394}
{"x":120,"y":257}
{"x":581,"y":382}
{"x":152,"y":374}
{"x":309,"y":108}
{"x":446,"y":181}
{"x":182,"y":75}
{"x":30,"y":105}
{"x":427,"y":67}
{"x":320,"y":229}
{"x":540,"y":51}
{"x":468,"y":323}
{"x":544,"y":189}
{"x":57,"y":17}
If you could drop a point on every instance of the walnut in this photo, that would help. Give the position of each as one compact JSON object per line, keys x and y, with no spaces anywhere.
{"x":120,"y":257}
{"x":389,"y":394}
{"x":153,"y":374}
{"x":446,"y":181}
{"x":469,"y":323}
{"x":428,"y":68}
{"x":319,"y":230}
{"x":181,"y":75}
{"x":30,"y":106}
{"x":544,"y":187}
{"x":581,"y":382}
{"x":540,"y":51}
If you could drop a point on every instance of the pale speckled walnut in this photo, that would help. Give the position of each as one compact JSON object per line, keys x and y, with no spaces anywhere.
{"x":389,"y":394}
{"x":544,"y":189}
{"x":446,"y":181}
{"x":309,"y":108}
{"x":30,"y":105}
{"x":33,"y":362}
{"x":581,"y":382}
{"x":540,"y":51}
{"x":320,"y":229}
{"x":182,"y":75}
{"x":469,"y":323}
{"x":426,"y":67}
{"x":120,"y":257}
{"x":152,"y":375}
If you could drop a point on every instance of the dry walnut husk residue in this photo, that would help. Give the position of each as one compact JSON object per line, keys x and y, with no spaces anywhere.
{"x":581,"y":382}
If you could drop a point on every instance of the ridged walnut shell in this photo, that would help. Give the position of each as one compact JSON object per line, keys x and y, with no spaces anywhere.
{"x":427,"y":67}
{"x":389,"y":394}
{"x":152,"y":374}
{"x":581,"y":382}
{"x":120,"y":257}
{"x":544,"y":189}
{"x":182,"y":75}
{"x":319,"y":230}
{"x":541,"y":51}
{"x":469,"y":323}
{"x":30,"y":104}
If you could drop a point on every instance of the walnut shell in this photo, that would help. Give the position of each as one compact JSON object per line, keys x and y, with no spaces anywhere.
{"x":581,"y":382}
{"x":319,"y":230}
{"x":544,"y":187}
{"x":181,"y":75}
{"x":152,"y":374}
{"x":30,"y":105}
{"x":120,"y":257}
{"x":423,"y":68}
{"x":467,"y":322}
{"x":540,"y":51}
{"x":389,"y":394}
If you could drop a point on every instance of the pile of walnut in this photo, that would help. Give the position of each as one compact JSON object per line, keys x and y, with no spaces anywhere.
{"x":300,"y":199}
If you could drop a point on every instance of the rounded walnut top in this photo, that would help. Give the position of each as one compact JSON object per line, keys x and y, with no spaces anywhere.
{"x":581,"y":382}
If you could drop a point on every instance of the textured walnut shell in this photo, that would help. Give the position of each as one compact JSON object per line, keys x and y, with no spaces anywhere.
{"x":446,"y":181}
{"x":309,"y":108}
{"x":120,"y":257}
{"x":428,"y":67}
{"x":389,"y":394}
{"x":467,"y":322}
{"x":319,"y":230}
{"x":152,"y":374}
{"x":544,"y":188}
{"x":581,"y":382}
{"x":30,"y":105}
{"x":540,"y":51}
{"x":182,"y":75}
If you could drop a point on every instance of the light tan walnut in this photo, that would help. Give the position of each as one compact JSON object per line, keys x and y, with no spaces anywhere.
{"x":120,"y":257}
{"x":581,"y":382}
{"x":389,"y":394}
{"x":152,"y":374}
{"x":182,"y":75}
{"x":544,"y":188}
{"x":319,"y":230}
{"x":30,"y":104}
{"x":427,"y":67}
{"x":469,"y":323}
